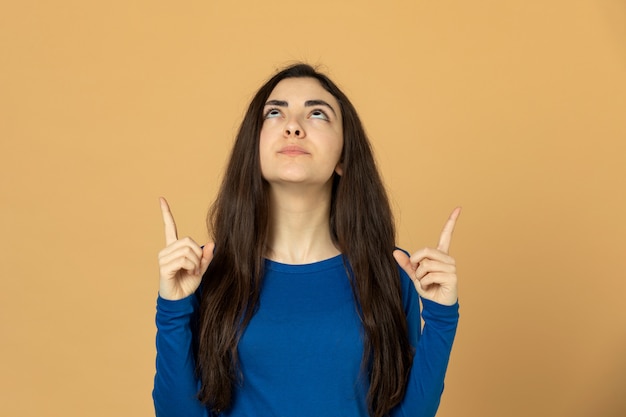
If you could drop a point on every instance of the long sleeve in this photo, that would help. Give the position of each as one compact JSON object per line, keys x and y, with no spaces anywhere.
{"x":175,"y":383}
{"x":302,"y":350}
{"x":432,"y":353}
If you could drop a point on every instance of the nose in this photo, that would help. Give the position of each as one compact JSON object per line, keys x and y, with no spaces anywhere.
{"x":294,"y":129}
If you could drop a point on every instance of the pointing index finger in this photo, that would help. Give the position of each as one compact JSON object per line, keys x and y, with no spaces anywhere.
{"x":448,"y":229}
{"x":171,"y":235}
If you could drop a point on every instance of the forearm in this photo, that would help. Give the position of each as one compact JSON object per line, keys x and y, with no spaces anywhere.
{"x":426,"y":379}
{"x":175,"y":383}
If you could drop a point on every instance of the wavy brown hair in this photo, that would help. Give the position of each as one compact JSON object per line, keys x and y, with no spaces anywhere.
{"x":362,"y":228}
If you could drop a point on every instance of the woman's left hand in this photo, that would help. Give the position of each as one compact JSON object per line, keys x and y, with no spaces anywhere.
{"x":433,"y":271}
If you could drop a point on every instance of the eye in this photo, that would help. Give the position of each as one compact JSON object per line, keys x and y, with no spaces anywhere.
{"x":319,"y":114}
{"x":271,"y":113}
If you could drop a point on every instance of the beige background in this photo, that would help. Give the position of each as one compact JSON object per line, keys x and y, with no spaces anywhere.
{"x":515,"y":110}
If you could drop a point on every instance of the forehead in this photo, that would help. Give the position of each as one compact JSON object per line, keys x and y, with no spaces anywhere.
{"x":302,"y":89}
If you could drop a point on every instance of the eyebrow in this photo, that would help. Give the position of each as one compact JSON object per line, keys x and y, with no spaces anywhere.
{"x":308,"y":103}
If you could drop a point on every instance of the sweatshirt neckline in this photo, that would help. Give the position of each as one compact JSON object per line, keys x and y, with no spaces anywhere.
{"x":318,"y":266}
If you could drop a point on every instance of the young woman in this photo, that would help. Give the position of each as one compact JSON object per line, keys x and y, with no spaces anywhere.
{"x":302,"y":306}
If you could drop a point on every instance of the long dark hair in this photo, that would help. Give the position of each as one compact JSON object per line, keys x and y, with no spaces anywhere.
{"x":362,"y":228}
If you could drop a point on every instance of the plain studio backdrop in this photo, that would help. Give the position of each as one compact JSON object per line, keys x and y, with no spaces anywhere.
{"x":515,"y":110}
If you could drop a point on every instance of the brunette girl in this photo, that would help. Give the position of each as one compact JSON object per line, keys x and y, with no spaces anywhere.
{"x":303,"y":306}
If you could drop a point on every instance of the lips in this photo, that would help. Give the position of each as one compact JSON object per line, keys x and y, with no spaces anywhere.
{"x":293,"y":150}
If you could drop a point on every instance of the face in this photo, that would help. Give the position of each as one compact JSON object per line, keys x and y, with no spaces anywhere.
{"x":302,"y":135}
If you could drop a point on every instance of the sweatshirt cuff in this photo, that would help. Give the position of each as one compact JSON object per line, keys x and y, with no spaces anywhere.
{"x":183,"y":306}
{"x":440,"y":312}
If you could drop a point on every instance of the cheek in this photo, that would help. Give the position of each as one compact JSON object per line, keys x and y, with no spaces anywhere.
{"x":267,"y":135}
{"x":339,"y":147}
{"x":263,"y":157}
{"x":263,"y":142}
{"x":266,"y":149}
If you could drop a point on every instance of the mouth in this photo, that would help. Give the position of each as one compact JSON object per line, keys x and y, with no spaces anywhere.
{"x":293,"y":150}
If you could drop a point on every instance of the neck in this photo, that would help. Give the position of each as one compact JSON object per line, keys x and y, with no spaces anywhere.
{"x":300,"y":229}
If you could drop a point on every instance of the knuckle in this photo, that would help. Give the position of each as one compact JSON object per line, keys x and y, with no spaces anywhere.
{"x":430,"y":253}
{"x":162,"y":253}
{"x":188,"y":240}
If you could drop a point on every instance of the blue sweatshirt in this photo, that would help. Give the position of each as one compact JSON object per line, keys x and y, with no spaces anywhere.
{"x":301,"y":353}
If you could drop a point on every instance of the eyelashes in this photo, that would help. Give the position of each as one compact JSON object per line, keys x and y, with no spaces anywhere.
{"x":316,"y":113}
{"x":319,"y":114}
{"x":271,"y":113}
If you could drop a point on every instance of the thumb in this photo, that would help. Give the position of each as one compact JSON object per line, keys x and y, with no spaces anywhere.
{"x":404,"y":261}
{"x":207,"y":257}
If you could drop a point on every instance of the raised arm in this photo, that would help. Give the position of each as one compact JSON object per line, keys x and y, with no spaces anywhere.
{"x":433,"y":273}
{"x":181,"y":264}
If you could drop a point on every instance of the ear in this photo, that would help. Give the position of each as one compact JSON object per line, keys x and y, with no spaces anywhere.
{"x":339,"y":169}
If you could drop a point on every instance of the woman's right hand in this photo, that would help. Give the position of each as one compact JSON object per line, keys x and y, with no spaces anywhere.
{"x":182,"y":262}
